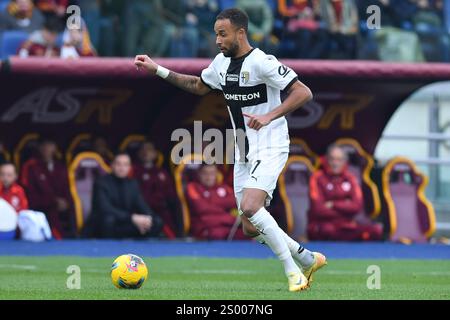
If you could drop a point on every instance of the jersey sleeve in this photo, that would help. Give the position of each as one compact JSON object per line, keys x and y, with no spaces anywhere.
{"x":276,"y":74}
{"x":210,"y":76}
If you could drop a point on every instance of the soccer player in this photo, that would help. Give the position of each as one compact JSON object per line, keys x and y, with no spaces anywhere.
{"x":251,"y":82}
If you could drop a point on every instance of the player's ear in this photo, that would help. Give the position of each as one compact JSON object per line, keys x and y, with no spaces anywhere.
{"x":241,"y":34}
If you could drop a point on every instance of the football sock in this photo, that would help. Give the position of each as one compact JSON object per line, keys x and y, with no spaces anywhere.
{"x":260,"y":238}
{"x":273,"y":236}
{"x":298,"y":252}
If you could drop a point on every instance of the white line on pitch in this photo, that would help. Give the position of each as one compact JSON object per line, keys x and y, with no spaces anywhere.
{"x":18,"y":266}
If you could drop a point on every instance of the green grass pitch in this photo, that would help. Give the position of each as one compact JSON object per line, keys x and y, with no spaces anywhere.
{"x":211,"y":278}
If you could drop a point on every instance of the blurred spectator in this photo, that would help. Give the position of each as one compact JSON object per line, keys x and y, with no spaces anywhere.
{"x":336,"y":199}
{"x":21,"y":15}
{"x":77,"y":43}
{"x":146,"y":28}
{"x":446,"y":9}
{"x":341,"y":21}
{"x":42,"y":43}
{"x":157,"y":188}
{"x":185,"y":36}
{"x":211,"y":205}
{"x":260,"y":24}
{"x":103,"y":20}
{"x":53,"y":7}
{"x":10,"y":190}
{"x":204,"y":12}
{"x":91,"y":13}
{"x":46,"y":183}
{"x":429,"y":25}
{"x":100,"y":146}
{"x":303,"y":26}
{"x":396,"y":13}
{"x":118,"y":209}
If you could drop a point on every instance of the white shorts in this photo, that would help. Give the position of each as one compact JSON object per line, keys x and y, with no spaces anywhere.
{"x":259,"y":174}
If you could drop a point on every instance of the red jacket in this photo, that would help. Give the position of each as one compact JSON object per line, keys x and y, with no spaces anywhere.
{"x":156,"y":186}
{"x":210,"y":208}
{"x":343,"y":190}
{"x":15,"y":196}
{"x":43,"y":187}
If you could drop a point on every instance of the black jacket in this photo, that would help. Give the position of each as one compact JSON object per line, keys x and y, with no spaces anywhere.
{"x":113,"y":202}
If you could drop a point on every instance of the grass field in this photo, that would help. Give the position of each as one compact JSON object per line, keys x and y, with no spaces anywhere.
{"x":208,"y":278}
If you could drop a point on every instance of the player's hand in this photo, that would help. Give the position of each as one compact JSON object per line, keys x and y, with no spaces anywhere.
{"x":257,"y":121}
{"x":61,"y":204}
{"x":142,"y":222}
{"x":144,"y":62}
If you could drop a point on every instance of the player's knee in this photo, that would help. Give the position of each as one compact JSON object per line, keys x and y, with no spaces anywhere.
{"x":249,"y":208}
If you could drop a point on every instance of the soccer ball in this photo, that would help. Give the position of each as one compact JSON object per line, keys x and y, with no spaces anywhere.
{"x":128,"y":272}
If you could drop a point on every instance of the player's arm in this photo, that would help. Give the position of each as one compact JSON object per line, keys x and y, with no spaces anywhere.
{"x":186,"y":82}
{"x":298,"y":95}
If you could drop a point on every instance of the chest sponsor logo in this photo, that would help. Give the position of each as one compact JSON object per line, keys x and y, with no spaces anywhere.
{"x":232,"y":77}
{"x":245,"y":96}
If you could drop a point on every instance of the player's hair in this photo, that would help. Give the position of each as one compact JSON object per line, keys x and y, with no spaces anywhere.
{"x":238,"y":18}
{"x":334,"y":146}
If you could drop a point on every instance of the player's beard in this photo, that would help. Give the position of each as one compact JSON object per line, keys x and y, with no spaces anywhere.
{"x":232,"y":51}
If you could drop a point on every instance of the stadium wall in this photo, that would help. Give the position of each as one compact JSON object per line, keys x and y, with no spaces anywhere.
{"x":109,"y":97}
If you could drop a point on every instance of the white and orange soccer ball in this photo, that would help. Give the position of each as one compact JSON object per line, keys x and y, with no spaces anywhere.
{"x":129,"y":272}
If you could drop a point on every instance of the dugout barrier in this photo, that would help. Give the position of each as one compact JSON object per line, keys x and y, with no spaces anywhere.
{"x":109,"y":97}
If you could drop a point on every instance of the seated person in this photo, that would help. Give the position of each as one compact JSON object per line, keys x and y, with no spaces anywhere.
{"x":46,"y":183}
{"x":77,"y":43}
{"x":157,"y":187}
{"x":336,"y":199}
{"x":53,"y":7}
{"x":211,"y":205}
{"x":10,"y":190}
{"x":101,"y":147}
{"x":42,"y":42}
{"x":118,"y":209}
{"x":21,"y":15}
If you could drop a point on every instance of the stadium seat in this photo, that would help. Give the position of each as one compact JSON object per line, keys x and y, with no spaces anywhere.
{"x":3,"y":5}
{"x":184,"y":173}
{"x":300,"y":148}
{"x":225,"y":4}
{"x":10,"y":42}
{"x":83,"y":171}
{"x":26,"y":148}
{"x":293,"y":186}
{"x":6,"y":155}
{"x":81,"y":143}
{"x":131,"y":145}
{"x":411,"y":216}
{"x":361,"y":164}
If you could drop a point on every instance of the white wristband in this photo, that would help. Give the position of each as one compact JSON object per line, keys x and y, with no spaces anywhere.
{"x":162,"y":72}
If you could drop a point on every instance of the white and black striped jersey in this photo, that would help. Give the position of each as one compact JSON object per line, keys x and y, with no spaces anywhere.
{"x":252,"y":84}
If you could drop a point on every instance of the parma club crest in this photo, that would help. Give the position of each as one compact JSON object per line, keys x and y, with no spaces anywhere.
{"x":245,"y":77}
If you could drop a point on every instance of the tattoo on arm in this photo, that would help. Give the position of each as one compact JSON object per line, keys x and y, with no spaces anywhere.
{"x":187,"y":82}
